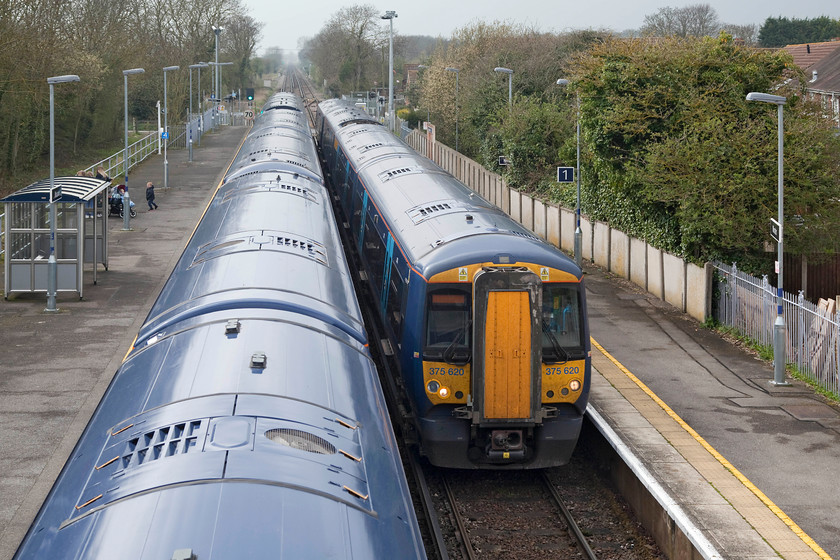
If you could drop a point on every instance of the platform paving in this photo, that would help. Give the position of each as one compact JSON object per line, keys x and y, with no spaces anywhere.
{"x":54,"y":367}
{"x":772,"y":453}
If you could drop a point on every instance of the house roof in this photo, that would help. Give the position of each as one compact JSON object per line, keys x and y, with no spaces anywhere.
{"x":808,"y":54}
{"x":827,"y":72}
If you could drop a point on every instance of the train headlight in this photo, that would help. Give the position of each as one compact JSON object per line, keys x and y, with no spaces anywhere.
{"x":574,"y":385}
{"x":433,"y":386}
{"x":444,"y":392}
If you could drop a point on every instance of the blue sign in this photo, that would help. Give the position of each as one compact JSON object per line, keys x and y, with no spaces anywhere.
{"x":164,"y":135}
{"x":565,"y":174}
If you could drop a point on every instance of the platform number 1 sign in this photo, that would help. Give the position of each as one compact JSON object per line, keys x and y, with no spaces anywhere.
{"x":565,"y":174}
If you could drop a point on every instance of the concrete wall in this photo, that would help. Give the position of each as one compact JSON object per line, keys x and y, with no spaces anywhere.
{"x":685,"y":286}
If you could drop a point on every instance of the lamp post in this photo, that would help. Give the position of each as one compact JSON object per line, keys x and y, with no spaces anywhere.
{"x":509,"y":72}
{"x":217,"y":29}
{"x":200,"y":95}
{"x":52,"y":264}
{"x":165,"y":129}
{"x":578,"y":232}
{"x":779,"y":325}
{"x":198,"y":66}
{"x":218,"y":66}
{"x":390,"y":15}
{"x":127,"y":212}
{"x":457,"y":72}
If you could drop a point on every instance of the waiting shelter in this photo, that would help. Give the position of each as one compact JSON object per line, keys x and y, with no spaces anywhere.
{"x":81,"y":234}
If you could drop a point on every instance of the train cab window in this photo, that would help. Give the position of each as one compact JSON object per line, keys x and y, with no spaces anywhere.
{"x":448,"y":326}
{"x":562,"y":336}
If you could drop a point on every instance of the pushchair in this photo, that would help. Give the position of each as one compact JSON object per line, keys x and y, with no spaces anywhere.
{"x":115,"y":203}
{"x":115,"y":207}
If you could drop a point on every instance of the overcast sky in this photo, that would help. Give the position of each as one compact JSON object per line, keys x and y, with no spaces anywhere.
{"x":286,"y":21}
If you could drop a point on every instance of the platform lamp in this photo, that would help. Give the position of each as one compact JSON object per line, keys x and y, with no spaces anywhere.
{"x":165,"y":128}
{"x":509,"y":72}
{"x":779,"y":325}
{"x":52,"y":264}
{"x":199,"y":66}
{"x":190,"y":120}
{"x":457,"y":72}
{"x":218,"y":66}
{"x":390,"y":15}
{"x":126,"y":198}
{"x":578,"y":231}
{"x":217,"y":29}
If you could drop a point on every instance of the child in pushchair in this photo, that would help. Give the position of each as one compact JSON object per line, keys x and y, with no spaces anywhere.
{"x":115,"y":202}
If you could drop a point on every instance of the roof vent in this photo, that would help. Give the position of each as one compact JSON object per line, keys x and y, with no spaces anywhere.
{"x":258,"y":360}
{"x":814,"y":76}
{"x":232,"y":327}
{"x":301,"y":440}
{"x":183,"y":554}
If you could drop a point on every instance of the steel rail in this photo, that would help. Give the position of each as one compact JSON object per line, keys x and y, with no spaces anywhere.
{"x":570,"y":520}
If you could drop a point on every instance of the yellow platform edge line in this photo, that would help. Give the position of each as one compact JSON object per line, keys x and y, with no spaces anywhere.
{"x":720,"y":458}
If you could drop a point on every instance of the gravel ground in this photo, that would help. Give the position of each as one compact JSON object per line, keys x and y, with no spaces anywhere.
{"x":507,"y":514}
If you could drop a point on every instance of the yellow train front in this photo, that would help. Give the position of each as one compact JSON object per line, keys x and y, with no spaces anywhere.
{"x":488,"y":322}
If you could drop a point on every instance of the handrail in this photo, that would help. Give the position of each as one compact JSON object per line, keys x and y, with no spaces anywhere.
{"x":143,"y":148}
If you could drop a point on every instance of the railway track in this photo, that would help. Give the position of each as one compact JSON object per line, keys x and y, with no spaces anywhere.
{"x":504,"y":514}
{"x":294,"y":81}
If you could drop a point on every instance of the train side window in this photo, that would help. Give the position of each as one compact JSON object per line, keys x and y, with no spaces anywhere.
{"x":562,"y":336}
{"x":395,"y":301}
{"x":358,"y":204}
{"x":374,"y":253}
{"x":448,"y":326}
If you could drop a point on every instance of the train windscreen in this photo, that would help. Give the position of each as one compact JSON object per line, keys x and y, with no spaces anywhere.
{"x":562,"y":336}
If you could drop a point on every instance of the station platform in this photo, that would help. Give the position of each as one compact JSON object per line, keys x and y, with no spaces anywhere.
{"x":56,"y":366}
{"x":749,"y":467}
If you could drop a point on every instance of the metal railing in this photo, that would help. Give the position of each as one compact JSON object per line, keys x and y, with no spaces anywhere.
{"x":137,"y":152}
{"x":149,"y":144}
{"x":812,"y":333}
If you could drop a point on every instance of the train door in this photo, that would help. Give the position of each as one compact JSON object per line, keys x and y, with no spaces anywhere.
{"x":508,"y":350}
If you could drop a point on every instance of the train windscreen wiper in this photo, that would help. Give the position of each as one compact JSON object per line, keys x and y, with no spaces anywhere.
{"x":450,"y":354}
{"x":555,"y":346}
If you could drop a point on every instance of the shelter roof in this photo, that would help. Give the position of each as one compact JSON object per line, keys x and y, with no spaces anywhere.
{"x":73,"y":189}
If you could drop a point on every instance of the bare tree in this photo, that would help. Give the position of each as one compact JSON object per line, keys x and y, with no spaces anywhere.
{"x":242,"y":34}
{"x":746,"y":33}
{"x":345,"y":50}
{"x":696,"y":20}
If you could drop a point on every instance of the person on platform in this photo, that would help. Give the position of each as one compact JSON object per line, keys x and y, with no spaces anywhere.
{"x":150,"y":196}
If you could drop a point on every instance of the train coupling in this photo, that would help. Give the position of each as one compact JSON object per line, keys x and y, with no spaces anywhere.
{"x":506,"y":445}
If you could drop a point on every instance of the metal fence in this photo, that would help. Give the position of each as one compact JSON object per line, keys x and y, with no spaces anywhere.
{"x":137,"y":152}
{"x":812,"y":332}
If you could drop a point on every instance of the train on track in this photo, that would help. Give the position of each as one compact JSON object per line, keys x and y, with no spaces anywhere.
{"x":247,"y":420}
{"x":487,"y":322}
